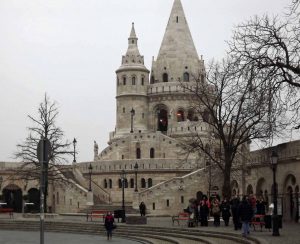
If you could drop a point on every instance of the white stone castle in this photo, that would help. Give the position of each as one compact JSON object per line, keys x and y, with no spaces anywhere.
{"x":154,"y":112}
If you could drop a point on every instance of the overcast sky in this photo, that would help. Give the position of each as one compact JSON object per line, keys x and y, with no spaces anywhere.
{"x":70,"y":50}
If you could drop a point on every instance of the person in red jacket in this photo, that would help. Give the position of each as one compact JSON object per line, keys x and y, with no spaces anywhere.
{"x":109,"y":225}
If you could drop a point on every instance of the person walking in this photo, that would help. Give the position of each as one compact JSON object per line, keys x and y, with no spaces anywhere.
{"x":109,"y":225}
{"x":142,"y":209}
{"x":245,"y":213}
{"x":215,"y":209}
{"x":235,"y":202}
{"x":204,"y":211}
{"x":225,"y":209}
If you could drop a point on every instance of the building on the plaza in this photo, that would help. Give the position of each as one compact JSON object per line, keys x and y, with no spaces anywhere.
{"x":153,"y":114}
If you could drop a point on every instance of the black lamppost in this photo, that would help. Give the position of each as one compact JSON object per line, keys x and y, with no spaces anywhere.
{"x":132,"y":112}
{"x":74,"y":144}
{"x":274,"y":160}
{"x":90,"y":173}
{"x":123,"y":178}
{"x":136,"y":167}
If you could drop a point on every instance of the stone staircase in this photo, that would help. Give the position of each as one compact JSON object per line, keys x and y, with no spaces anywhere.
{"x":173,"y":191}
{"x":142,"y":234}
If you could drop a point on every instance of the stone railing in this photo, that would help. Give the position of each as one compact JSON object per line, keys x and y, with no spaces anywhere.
{"x":169,"y":87}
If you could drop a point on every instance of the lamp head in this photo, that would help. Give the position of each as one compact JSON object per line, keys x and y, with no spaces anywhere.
{"x":274,"y":158}
{"x":74,"y":141}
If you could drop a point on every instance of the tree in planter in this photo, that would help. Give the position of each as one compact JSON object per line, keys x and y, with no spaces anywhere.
{"x":238,"y":106}
{"x":43,"y":126}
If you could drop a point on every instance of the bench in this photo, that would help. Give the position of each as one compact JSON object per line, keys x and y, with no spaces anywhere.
{"x":10,"y":211}
{"x":181,"y":217}
{"x":96,"y":214}
{"x":259,"y":220}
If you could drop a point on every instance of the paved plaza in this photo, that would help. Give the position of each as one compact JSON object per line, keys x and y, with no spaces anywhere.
{"x":29,"y":237}
{"x":290,"y":234}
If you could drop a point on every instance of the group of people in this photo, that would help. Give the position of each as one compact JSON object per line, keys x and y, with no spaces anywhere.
{"x":242,"y":212}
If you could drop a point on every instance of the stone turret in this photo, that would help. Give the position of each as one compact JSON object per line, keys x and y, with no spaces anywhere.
{"x":177,"y":59}
{"x":132,"y":81}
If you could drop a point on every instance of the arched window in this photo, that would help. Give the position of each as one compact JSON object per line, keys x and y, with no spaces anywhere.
{"x":125,"y":183}
{"x":120,"y":183}
{"x":142,"y":80}
{"x":105,"y":183}
{"x":162,"y":123}
{"x":186,"y":77}
{"x":133,"y":80}
{"x":131,"y":183}
{"x":110,"y":183}
{"x":152,"y":79}
{"x":165,"y":77}
{"x":191,"y":115}
{"x":149,"y":182}
{"x":143,"y":183}
{"x":180,"y":115}
{"x":138,"y":153}
{"x":152,"y":153}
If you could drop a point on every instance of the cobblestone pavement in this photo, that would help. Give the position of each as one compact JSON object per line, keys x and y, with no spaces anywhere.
{"x":29,"y":237}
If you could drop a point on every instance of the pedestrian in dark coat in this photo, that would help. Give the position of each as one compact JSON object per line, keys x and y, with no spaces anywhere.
{"x":235,"y":202}
{"x":245,"y":213}
{"x":261,"y":206}
{"x":225,"y":209}
{"x":142,"y":209}
{"x":109,"y":224}
{"x":215,"y":210}
{"x":204,"y":211}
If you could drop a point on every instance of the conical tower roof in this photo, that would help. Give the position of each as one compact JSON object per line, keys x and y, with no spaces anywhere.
{"x":177,"y":39}
{"x":177,"y":54}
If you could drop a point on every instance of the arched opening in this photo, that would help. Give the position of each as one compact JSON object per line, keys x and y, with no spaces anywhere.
{"x":152,"y":152}
{"x":33,"y":197}
{"x":13,"y":197}
{"x":186,"y":77}
{"x":149,"y":182}
{"x":249,"y":189}
{"x":131,"y":183}
{"x":290,"y":207}
{"x":125,"y":183}
{"x":180,"y":115}
{"x":152,"y":79}
{"x":261,"y":187}
{"x":162,"y":120}
{"x":143,"y":183}
{"x":133,"y":80}
{"x":234,"y":188}
{"x":110,"y":183}
{"x":191,"y":115}
{"x":165,"y":77}
{"x":105,"y":183}
{"x":138,"y":153}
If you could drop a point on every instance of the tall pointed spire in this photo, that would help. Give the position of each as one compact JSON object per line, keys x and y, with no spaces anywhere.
{"x":132,"y":56}
{"x":177,"y":52}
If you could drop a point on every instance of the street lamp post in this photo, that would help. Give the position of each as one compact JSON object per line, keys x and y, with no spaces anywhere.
{"x":90,"y":173}
{"x":275,"y":217}
{"x":132,"y":112}
{"x":74,"y":144}
{"x":123,"y":178}
{"x":136,"y":167}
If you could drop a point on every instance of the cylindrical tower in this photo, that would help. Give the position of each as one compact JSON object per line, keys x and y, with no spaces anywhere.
{"x":132,"y":83}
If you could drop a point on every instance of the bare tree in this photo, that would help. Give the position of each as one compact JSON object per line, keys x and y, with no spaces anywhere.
{"x":44,"y":126}
{"x":236,"y":102}
{"x":272,"y":45}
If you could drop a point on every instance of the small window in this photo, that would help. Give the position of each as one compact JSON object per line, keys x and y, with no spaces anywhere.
{"x":120,"y":183}
{"x":202,"y":78}
{"x":168,"y":203}
{"x":138,"y":153}
{"x":165,"y":77}
{"x":186,"y":77}
{"x":110,"y":183}
{"x":177,"y":19}
{"x":105,"y":183}
{"x":153,"y":206}
{"x":143,"y":183}
{"x":122,"y":156}
{"x":132,"y":41}
{"x":124,"y":80}
{"x":117,"y":81}
{"x":143,"y":115}
{"x":182,"y":199}
{"x":131,"y":183}
{"x":149,"y":182}
{"x":152,"y":152}
{"x":123,"y":110}
{"x":133,"y":80}
{"x":143,"y":80}
{"x":180,"y":115}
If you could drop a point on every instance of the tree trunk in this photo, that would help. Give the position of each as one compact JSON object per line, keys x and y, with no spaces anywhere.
{"x":226,"y":191}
